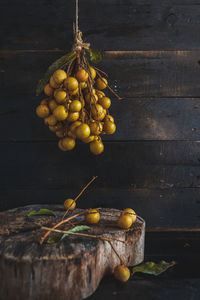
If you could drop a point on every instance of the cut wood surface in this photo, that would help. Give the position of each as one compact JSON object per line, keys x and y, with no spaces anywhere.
{"x":71,"y":269}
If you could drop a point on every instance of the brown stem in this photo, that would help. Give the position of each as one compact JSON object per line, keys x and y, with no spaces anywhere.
{"x":101,"y":237}
{"x":104,"y":73}
{"x":93,"y":178}
{"x":121,"y":260}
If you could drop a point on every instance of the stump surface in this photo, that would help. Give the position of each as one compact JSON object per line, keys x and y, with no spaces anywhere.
{"x":70,"y":269}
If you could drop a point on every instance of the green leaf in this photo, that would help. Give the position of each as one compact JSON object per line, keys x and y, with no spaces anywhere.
{"x":42,"y":211}
{"x":75,"y":229}
{"x":58,"y":64}
{"x":95,"y":55}
{"x":153,"y":268}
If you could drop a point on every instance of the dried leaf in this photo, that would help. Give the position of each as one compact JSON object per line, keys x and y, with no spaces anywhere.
{"x":54,"y":239}
{"x":75,"y":229}
{"x":153,"y":268}
{"x":42,"y":211}
{"x":58,"y":64}
{"x":95,"y":55}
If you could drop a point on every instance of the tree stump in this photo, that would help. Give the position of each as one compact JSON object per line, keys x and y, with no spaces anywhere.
{"x":70,"y":269}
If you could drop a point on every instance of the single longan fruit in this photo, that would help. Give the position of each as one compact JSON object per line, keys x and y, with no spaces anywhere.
{"x":93,"y":72}
{"x":124,"y":221}
{"x":75,"y":105}
{"x":69,"y":204}
{"x":91,"y":98}
{"x":96,"y":128}
{"x":60,"y":133}
{"x":59,"y":76}
{"x":122,"y":273}
{"x":70,"y":134}
{"x":55,"y":128}
{"x":130,"y":212}
{"x":74,"y":92}
{"x":105,"y":102}
{"x":42,"y":111}
{"x":92,"y":216}
{"x":60,"y":146}
{"x":50,"y":120}
{"x":82,"y":75}
{"x":60,"y":96}
{"x":89,"y":139}
{"x":45,"y":101}
{"x":83,"y":85}
{"x":73,"y":116}
{"x":82,"y":131}
{"x":60,"y":113}
{"x":109,"y":118}
{"x":109,"y":127}
{"x":100,"y":94}
{"x":101,"y":83}
{"x":52,"y":104}
{"x":48,"y":90}
{"x":96,"y":147}
{"x":68,"y":143}
{"x":71,"y":84}
{"x":53,"y":84}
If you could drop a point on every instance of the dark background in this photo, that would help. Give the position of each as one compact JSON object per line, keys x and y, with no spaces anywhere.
{"x":153,"y":60}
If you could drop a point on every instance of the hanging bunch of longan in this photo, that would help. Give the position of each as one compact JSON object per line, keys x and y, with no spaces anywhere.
{"x":76,"y":106}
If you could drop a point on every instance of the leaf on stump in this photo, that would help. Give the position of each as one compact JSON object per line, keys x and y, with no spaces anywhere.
{"x":95,"y":55}
{"x":42,"y":211}
{"x":58,"y":64}
{"x":153,"y":268}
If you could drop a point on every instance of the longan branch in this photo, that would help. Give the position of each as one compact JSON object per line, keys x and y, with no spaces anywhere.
{"x":121,"y":260}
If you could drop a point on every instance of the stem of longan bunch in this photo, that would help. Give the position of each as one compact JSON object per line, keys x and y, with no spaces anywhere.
{"x":99,"y":70}
{"x":70,"y":66}
{"x":121,"y":260}
{"x":81,"y":192}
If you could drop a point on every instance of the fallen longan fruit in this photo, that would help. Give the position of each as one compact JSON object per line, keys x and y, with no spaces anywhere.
{"x":124,"y":221}
{"x":122,"y":273}
{"x":92,"y":216}
{"x":69,"y":204}
{"x":130,"y":212}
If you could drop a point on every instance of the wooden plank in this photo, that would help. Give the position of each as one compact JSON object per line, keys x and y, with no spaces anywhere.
{"x":132,"y":74}
{"x":136,"y":119}
{"x":161,"y":208}
{"x":110,"y":25}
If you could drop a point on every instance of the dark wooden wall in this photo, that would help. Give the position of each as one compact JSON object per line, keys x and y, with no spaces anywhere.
{"x":152,"y":55}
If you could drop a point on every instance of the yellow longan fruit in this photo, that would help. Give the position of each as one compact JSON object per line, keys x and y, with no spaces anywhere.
{"x":101,"y":83}
{"x":48,"y":90}
{"x":52,"y":104}
{"x":124,"y":221}
{"x":82,"y":75}
{"x":60,"y":96}
{"x":74,"y":125}
{"x":55,"y":128}
{"x":71,"y":84}
{"x":109,"y":118}
{"x":60,"y":146}
{"x":53,"y":84}
{"x":42,"y":111}
{"x":68,"y":143}
{"x":83,"y":85}
{"x":60,"y":113}
{"x":73,"y":116}
{"x":122,"y":273}
{"x":69,"y":204}
{"x":109,"y":127}
{"x":89,"y":139}
{"x":91,"y":98}
{"x":97,"y":112}
{"x":96,"y":147}
{"x":59,"y":76}
{"x":82,"y":131}
{"x":45,"y":101}
{"x":131,"y":212}
{"x":100,"y":94}
{"x":92,"y":216}
{"x":96,"y":128}
{"x":74,"y":92}
{"x":50,"y":120}
{"x":60,"y":133}
{"x":93,"y":72}
{"x":75,"y":105}
{"x":105,"y":102}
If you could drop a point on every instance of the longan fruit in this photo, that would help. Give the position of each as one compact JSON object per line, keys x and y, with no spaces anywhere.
{"x":124,"y":221}
{"x":97,"y":112}
{"x":71,"y":84}
{"x":83,"y":85}
{"x":60,"y":146}
{"x":96,"y":127}
{"x":96,"y":147}
{"x":50,"y":120}
{"x":53,"y":84}
{"x":93,"y":72}
{"x":52,"y":104}
{"x":74,"y":92}
{"x":68,"y":143}
{"x":48,"y":90}
{"x":59,"y":76}
{"x":69,"y":204}
{"x":60,"y":133}
{"x":91,"y":98}
{"x":131,"y":212}
{"x":82,"y":131}
{"x":122,"y":273}
{"x":100,"y":94}
{"x":45,"y":101}
{"x":101,"y":83}
{"x":74,"y":125}
{"x":89,"y":139}
{"x":73,"y":116}
{"x":92,"y":216}
{"x":109,"y":127}
{"x":75,"y":106}
{"x":105,"y":102}
{"x":109,"y":118}
{"x":42,"y":111}
{"x":60,"y":96}
{"x":82,"y":75}
{"x":60,"y":113}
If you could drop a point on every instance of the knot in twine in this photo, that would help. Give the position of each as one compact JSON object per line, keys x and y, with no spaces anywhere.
{"x":78,"y":42}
